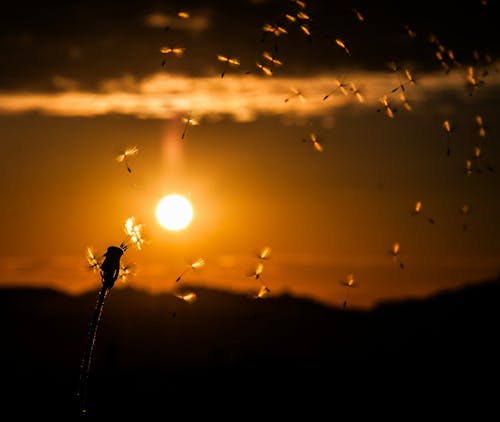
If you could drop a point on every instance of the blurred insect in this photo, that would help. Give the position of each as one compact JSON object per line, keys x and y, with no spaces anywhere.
{"x":355,"y":91}
{"x":305,"y":29}
{"x":358,"y":15}
{"x":340,"y":86}
{"x":188,"y":121}
{"x":129,"y":152}
{"x":263,"y":291}
{"x":395,"y":254}
{"x":315,"y":142}
{"x":228,"y":61}
{"x":342,"y":45}
{"x":417,"y":210}
{"x":257,"y":271}
{"x":405,"y":102}
{"x":349,"y":283}
{"x":468,"y":167}
{"x":264,"y":253}
{"x":389,"y":111}
{"x":449,"y":128}
{"x":296,"y":94}
{"x":480,"y":126}
{"x":465,"y":211}
{"x":188,"y":297}
{"x":291,"y":18}
{"x":183,"y":15}
{"x":194,"y":265}
{"x":172,"y":51}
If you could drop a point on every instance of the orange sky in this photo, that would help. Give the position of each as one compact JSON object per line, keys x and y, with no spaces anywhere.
{"x":249,"y":175}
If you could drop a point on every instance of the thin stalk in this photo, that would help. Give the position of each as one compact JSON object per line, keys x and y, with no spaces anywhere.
{"x":89,"y":350}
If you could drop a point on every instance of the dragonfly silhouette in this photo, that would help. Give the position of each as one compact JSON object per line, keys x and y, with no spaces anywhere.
{"x":129,"y":152}
{"x":194,"y":265}
{"x":109,"y":270}
{"x":417,"y":210}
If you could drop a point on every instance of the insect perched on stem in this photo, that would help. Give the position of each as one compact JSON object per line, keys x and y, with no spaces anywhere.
{"x":109,"y":270}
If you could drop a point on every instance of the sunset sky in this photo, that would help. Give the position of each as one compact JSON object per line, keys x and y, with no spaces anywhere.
{"x":83,"y":80}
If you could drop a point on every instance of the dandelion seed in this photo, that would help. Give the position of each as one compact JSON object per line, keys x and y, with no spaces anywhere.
{"x":411,"y":33}
{"x":349,"y":283}
{"x":228,"y":61}
{"x":134,"y":233}
{"x":480,"y":126}
{"x":465,"y":211}
{"x":340,"y":86}
{"x":263,"y":291}
{"x":417,"y":210}
{"x":129,"y":152}
{"x":395,"y":254}
{"x":449,"y":128}
{"x":188,"y":121}
{"x":315,"y":142}
{"x":187,"y":297}
{"x":195,"y":265}
{"x":296,"y":94}
{"x":266,"y":70}
{"x":342,"y":45}
{"x":357,"y":93}
{"x":257,"y":271}
{"x":405,"y":102}
{"x":264,"y":253}
{"x":183,"y":15}
{"x":358,"y":15}
{"x":389,"y":111}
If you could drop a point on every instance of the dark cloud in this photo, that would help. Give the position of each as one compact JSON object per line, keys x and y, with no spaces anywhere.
{"x":90,"y":41}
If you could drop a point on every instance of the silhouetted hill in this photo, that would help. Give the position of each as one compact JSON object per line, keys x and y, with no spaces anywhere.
{"x":157,"y":354}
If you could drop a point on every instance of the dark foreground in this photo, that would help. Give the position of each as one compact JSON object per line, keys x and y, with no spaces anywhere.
{"x":228,"y":355}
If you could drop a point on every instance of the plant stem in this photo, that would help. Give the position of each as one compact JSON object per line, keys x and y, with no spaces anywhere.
{"x":89,"y":350}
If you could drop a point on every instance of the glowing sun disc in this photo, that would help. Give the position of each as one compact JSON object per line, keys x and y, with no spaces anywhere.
{"x":174,"y":212}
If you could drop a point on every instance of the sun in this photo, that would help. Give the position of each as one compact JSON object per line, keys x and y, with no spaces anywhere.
{"x":174,"y":212}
